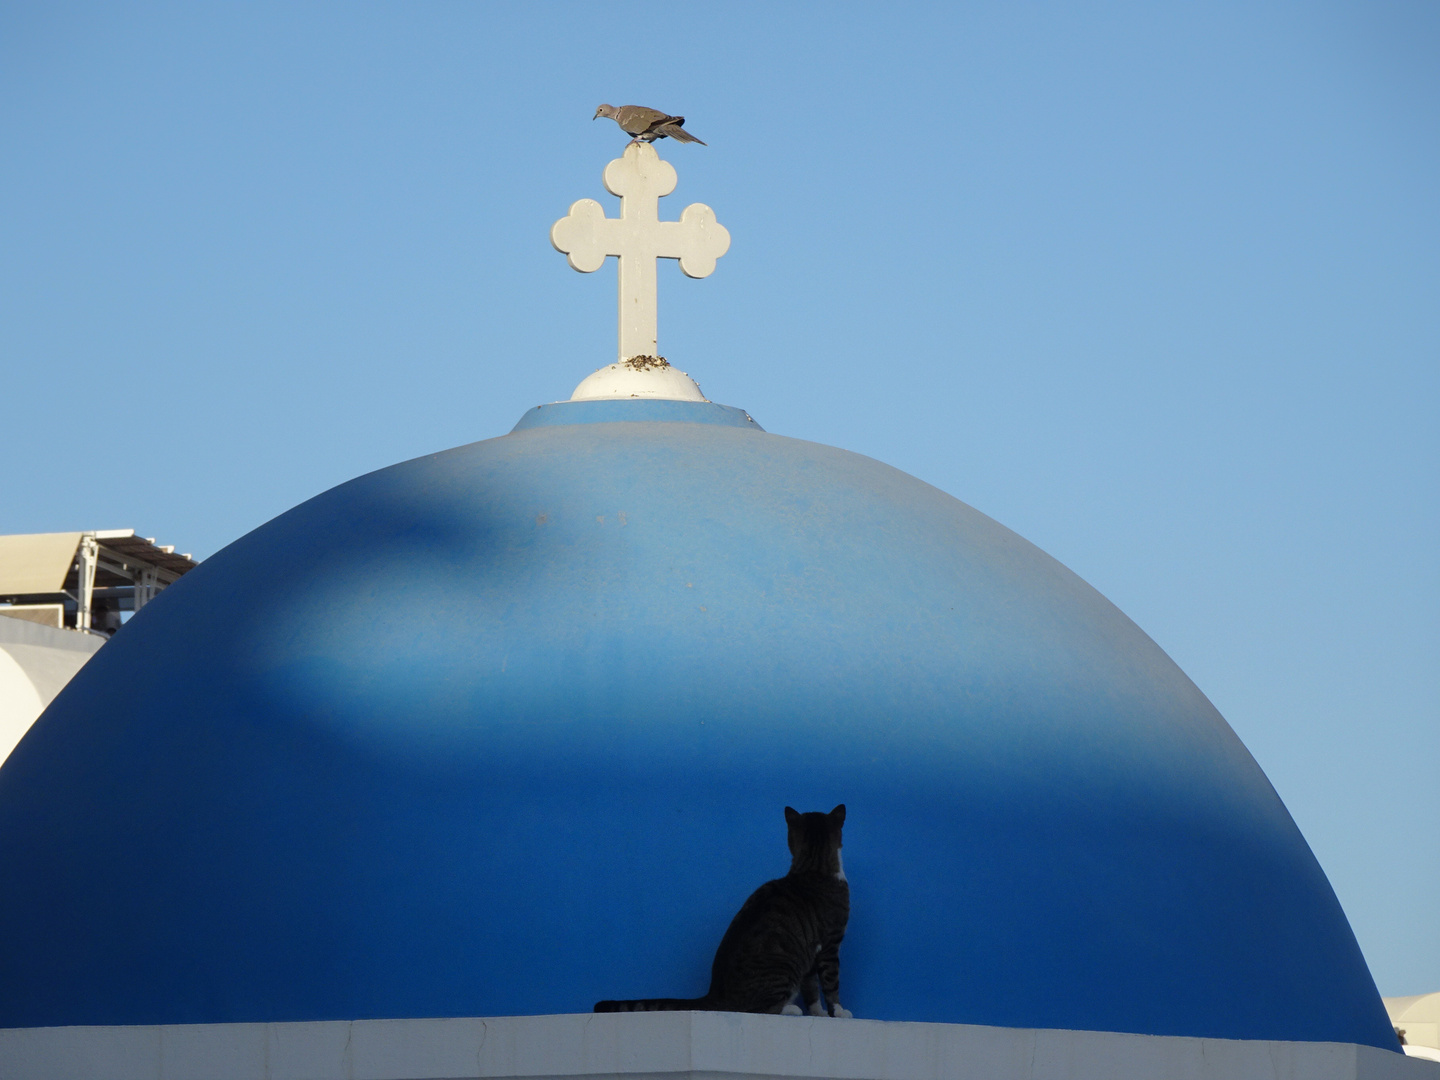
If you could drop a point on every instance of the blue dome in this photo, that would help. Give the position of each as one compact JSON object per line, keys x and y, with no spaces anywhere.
{"x":509,"y":729}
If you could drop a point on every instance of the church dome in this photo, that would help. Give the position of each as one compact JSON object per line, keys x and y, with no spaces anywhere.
{"x":510,"y":728}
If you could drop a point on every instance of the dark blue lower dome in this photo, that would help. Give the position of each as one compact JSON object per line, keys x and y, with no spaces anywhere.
{"x":509,"y":729}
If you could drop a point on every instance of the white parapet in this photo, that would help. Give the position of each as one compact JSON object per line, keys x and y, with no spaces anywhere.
{"x":669,"y":1046}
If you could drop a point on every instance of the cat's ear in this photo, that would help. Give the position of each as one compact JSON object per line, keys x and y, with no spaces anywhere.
{"x":792,"y":818}
{"x":838,"y":814}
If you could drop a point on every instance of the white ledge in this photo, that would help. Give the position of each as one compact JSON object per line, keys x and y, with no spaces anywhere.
{"x":668,"y":1046}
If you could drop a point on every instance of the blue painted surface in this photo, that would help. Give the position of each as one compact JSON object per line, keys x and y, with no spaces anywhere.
{"x":509,"y":729}
{"x":602,"y":411}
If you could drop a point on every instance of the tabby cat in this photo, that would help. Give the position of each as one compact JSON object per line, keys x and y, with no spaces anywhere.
{"x":785,"y":941}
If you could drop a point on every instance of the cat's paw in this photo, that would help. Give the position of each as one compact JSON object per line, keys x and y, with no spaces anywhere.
{"x":791,"y":1010}
{"x":842,"y":1013}
{"x":816,"y":1009}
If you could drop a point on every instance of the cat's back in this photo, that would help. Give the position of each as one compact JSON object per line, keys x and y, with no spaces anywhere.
{"x":805,"y":904}
{"x":826,"y":894}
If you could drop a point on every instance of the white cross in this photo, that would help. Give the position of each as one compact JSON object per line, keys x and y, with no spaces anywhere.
{"x":638,"y":236}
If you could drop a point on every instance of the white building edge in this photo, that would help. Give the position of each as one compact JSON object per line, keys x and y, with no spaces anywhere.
{"x":669,"y":1046}
{"x":1417,"y":1022}
{"x":61,"y":597}
{"x":36,"y":662}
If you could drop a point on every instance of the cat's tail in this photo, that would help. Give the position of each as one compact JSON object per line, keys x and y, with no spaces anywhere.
{"x":655,"y":1005}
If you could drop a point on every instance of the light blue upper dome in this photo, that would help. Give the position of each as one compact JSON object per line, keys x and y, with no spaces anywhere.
{"x":509,"y":729}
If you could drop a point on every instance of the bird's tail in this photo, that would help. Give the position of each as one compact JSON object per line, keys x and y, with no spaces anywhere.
{"x":654,"y":1005}
{"x":679,"y":134}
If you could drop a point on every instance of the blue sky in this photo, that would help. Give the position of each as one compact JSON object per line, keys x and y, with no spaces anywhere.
{"x":1155,"y":285}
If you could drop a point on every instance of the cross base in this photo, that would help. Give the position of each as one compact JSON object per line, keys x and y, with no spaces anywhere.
{"x":642,"y":376}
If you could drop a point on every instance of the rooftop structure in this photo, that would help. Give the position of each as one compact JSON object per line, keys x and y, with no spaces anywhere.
{"x":84,"y":580}
{"x":1417,"y":1022}
{"x":61,"y":597}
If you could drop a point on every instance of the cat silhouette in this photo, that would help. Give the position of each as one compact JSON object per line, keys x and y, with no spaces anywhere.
{"x":784,"y":942}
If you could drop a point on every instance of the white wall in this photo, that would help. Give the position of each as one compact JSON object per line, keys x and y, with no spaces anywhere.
{"x":669,"y":1046}
{"x":35,"y":664}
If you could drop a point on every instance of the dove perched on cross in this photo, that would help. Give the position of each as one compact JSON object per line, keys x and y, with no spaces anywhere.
{"x":646,"y":125}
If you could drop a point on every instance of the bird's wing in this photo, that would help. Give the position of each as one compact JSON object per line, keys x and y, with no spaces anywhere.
{"x":637,"y":119}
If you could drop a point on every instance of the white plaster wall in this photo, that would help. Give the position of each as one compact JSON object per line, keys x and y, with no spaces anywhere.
{"x":20,"y":703}
{"x":1419,"y":1017}
{"x":35,"y":664}
{"x":669,"y":1046}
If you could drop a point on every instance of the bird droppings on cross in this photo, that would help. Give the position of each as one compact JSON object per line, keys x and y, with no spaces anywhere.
{"x":647,"y":363}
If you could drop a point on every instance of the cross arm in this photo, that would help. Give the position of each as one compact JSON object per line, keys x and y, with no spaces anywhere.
{"x":585,"y":236}
{"x":697,"y":240}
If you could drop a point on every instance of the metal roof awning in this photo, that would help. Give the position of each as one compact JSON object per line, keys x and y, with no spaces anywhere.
{"x":104,"y":570}
{"x":136,"y":551}
{"x":36,"y":562}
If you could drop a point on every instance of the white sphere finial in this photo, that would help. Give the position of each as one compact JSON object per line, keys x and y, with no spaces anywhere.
{"x":639,"y":377}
